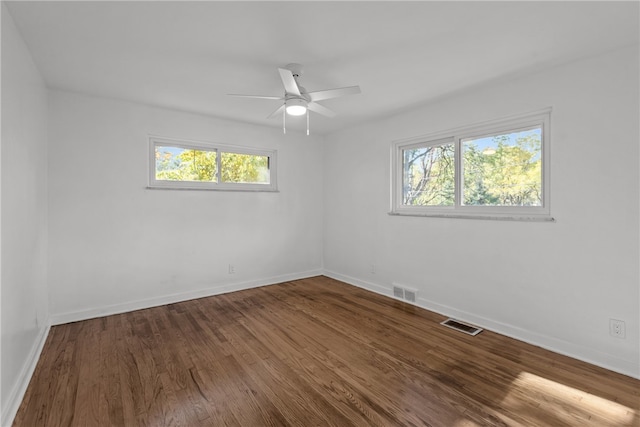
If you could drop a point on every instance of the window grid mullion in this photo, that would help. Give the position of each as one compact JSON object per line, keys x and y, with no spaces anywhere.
{"x":457,"y":173}
{"x":218,"y":166}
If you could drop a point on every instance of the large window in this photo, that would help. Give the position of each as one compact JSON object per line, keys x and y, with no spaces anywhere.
{"x":199,"y":165}
{"x":498,"y":169}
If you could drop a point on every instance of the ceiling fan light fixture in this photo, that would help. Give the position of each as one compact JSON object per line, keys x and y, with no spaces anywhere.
{"x":296,"y":107}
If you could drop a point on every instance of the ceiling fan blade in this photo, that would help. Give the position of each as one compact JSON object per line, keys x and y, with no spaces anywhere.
{"x":317,"y":108}
{"x":290,"y":85}
{"x":333,"y":93}
{"x":255,"y":96}
{"x":275,"y":113}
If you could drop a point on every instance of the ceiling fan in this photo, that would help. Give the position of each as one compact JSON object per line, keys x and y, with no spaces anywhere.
{"x":297,"y":101}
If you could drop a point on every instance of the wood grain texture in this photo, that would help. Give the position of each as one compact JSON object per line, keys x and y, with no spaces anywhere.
{"x":308,"y":353}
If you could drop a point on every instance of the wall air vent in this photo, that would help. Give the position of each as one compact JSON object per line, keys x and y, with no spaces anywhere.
{"x":410,"y":295}
{"x":461,"y":326}
{"x":398,"y":292}
{"x":406,"y":294}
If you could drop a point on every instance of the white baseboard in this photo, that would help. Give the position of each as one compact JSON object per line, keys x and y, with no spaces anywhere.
{"x":20,"y":387}
{"x":370,"y":286}
{"x":575,"y":351}
{"x":75,"y":316}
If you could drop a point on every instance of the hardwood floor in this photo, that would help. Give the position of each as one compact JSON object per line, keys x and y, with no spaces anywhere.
{"x":306,"y":353}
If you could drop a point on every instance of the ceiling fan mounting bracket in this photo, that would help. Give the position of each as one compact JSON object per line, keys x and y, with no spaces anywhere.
{"x":296,"y":69}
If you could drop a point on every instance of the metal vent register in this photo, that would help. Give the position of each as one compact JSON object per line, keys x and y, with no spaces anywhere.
{"x":407,"y":294}
{"x":461,"y":326}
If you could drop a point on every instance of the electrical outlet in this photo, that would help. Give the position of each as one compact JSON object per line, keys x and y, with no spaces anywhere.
{"x":372,"y":269}
{"x":616,"y":328}
{"x":232,"y":269}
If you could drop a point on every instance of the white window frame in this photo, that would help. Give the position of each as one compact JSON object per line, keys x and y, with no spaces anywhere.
{"x":455,"y":136}
{"x":218,"y":148}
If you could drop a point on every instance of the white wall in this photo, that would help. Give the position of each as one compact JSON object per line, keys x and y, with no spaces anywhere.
{"x":552,"y":284}
{"x":24,"y":217}
{"x":115,"y":245}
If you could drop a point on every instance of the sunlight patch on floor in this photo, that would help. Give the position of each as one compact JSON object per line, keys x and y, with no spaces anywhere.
{"x":569,"y":403}
{"x":465,"y":423}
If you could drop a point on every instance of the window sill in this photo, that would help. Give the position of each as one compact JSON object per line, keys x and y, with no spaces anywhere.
{"x":242,"y":190}
{"x":489,"y":217}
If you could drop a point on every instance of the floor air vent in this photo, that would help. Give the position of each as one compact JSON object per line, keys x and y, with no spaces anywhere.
{"x":462,"y":327}
{"x":410,"y":295}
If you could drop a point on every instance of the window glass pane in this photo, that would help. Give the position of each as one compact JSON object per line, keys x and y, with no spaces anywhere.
{"x":244,"y":168}
{"x":428,"y":177}
{"x":182,"y":164}
{"x":503,"y":170}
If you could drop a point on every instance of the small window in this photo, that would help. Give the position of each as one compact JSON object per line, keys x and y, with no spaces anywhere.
{"x":498,"y":169}
{"x":198,"y":165}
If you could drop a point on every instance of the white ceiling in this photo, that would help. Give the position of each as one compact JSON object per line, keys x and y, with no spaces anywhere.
{"x":189,"y":55}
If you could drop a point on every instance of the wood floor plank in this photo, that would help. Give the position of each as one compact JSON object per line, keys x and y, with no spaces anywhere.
{"x":310,"y":352}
